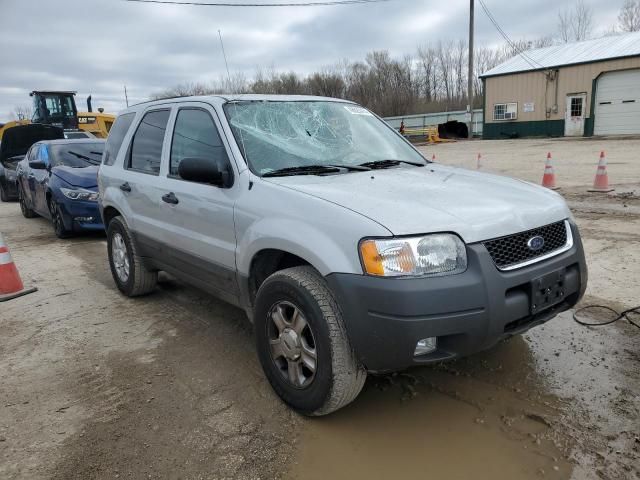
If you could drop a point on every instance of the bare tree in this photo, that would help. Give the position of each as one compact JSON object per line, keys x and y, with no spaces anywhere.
{"x":433,"y":80}
{"x":575,"y":23}
{"x":23,"y":112}
{"x":427,"y":72}
{"x":629,"y":16}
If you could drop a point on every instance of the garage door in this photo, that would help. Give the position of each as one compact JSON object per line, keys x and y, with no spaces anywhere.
{"x":618,"y":103}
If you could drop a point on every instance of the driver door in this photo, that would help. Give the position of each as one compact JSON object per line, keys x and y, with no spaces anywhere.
{"x":199,"y":230}
{"x":38,"y":181}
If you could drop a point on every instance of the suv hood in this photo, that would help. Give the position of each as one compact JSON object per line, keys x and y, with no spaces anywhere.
{"x":436,"y":198}
{"x":86,"y":177}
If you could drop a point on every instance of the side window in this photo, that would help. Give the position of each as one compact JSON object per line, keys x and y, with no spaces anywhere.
{"x":195,"y":135}
{"x":146,"y":146}
{"x":115,"y":138}
{"x":43,"y":154}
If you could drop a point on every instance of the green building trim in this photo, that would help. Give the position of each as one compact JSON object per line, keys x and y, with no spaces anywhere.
{"x":543,"y":128}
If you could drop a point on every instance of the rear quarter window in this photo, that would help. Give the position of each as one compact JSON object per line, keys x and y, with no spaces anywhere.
{"x":115,"y":138}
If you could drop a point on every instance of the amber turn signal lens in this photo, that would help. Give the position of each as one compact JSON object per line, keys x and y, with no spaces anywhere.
{"x":371,"y":259}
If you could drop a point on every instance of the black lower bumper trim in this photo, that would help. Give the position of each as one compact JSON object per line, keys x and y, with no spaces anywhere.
{"x":468,"y":312}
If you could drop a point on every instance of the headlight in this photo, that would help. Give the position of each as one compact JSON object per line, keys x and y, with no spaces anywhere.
{"x":80,"y":194}
{"x":436,"y":254}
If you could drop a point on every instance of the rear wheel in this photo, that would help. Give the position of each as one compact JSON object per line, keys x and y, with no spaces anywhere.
{"x":56,"y":218}
{"x":302,"y":343}
{"x":26,"y":211}
{"x":127,"y":268}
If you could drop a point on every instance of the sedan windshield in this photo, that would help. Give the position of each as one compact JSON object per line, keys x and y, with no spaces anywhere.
{"x":77,"y":155}
{"x":287,"y":134}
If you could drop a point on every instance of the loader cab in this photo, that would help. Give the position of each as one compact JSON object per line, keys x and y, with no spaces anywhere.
{"x":55,"y":108}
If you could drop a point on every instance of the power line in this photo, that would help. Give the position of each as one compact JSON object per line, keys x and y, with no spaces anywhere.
{"x":229,"y":4}
{"x":532,"y":63}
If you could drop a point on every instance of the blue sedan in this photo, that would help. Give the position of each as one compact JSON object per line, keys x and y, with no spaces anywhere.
{"x":58,"y":179}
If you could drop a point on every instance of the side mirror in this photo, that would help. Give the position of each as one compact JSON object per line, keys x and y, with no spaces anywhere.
{"x":37,"y":164}
{"x":205,"y":170}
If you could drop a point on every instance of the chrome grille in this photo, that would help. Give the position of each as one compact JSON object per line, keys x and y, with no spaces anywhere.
{"x":513,"y":250}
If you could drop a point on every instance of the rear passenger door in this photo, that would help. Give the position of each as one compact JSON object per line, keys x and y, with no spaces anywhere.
{"x":141,"y":183}
{"x":199,"y":233}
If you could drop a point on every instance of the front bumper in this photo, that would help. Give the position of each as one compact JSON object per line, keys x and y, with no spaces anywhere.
{"x":469,"y":312}
{"x":79,"y":215}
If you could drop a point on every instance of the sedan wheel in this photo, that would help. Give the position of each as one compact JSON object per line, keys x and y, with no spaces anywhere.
{"x":56,"y":218}
{"x":26,"y":211}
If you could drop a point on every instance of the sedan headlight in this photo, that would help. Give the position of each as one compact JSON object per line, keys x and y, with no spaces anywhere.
{"x":80,"y":194}
{"x":436,"y":254}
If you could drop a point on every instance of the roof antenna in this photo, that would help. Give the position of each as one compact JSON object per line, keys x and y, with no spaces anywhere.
{"x":225,"y":59}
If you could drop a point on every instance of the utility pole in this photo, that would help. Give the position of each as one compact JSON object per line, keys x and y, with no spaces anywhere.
{"x":470,"y":72}
{"x":126,"y":98}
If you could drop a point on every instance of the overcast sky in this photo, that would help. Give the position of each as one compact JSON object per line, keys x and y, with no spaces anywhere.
{"x":97,"y":46}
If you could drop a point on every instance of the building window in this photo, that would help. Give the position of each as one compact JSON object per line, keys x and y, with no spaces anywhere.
{"x":576,"y":107}
{"x":505,"y":111}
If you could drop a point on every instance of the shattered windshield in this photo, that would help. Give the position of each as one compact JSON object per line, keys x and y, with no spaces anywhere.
{"x":284,"y":134}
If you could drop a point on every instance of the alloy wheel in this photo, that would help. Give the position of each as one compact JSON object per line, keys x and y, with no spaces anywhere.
{"x":292,"y":344}
{"x":22,"y":201}
{"x":120,"y":257}
{"x":56,"y":218}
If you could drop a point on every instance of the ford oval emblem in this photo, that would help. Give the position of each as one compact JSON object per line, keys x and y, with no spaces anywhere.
{"x":535,"y":243}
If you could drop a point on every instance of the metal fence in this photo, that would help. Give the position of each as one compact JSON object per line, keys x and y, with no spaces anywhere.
{"x":423,"y":120}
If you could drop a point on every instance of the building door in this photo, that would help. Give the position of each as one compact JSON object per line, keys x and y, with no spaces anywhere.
{"x":617,"y":109}
{"x":574,"y":115}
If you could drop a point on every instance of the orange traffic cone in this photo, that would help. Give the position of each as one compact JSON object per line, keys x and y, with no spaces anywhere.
{"x":10,"y":284}
{"x":601,"y":182}
{"x":479,"y":162}
{"x":549,"y":177}
{"x":433,"y":157}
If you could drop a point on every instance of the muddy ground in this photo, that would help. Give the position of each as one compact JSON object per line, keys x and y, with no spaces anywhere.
{"x":94,"y":385}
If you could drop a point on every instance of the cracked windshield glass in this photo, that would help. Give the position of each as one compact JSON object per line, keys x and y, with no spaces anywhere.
{"x":289,"y":134}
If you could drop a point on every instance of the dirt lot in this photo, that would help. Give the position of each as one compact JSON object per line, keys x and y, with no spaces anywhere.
{"x":95,"y":385}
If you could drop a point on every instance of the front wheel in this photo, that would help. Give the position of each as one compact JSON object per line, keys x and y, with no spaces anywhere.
{"x":302,"y":343}
{"x":56,"y":219}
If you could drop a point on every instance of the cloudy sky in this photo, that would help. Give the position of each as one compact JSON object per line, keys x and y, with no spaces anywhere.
{"x":98,"y":46}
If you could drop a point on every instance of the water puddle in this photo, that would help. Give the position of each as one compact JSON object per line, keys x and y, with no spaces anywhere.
{"x":484,"y":417}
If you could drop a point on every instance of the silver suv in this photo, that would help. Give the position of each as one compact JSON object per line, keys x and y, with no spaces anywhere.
{"x":348,"y":250}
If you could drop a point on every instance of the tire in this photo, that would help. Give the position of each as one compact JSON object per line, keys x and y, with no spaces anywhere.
{"x":338,"y":377}
{"x":26,"y":211}
{"x":3,"y":194}
{"x":58,"y":222}
{"x":138,"y":280}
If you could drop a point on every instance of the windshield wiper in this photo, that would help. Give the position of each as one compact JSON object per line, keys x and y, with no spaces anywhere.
{"x":84,"y":157}
{"x":313,"y":170}
{"x":389,"y":163}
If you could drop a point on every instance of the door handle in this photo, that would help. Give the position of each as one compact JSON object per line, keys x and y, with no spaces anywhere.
{"x":125,"y":187}
{"x":170,"y":198}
